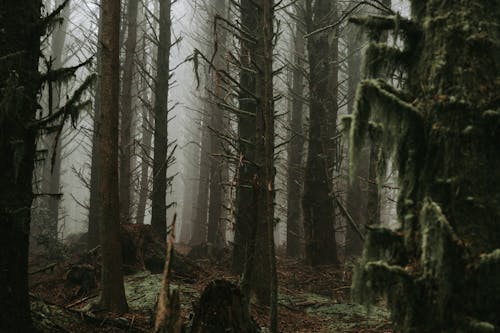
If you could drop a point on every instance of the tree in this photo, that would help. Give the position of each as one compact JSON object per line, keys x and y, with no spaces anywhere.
{"x":296,"y":145}
{"x":94,"y":210}
{"x":245,"y":205}
{"x":112,"y":290}
{"x":52,"y":165}
{"x":126,"y":113}
{"x":440,"y":271}
{"x":356,"y":200}
{"x":317,"y":202}
{"x":19,"y":50}
{"x":160,"y":110}
{"x":217,"y":165}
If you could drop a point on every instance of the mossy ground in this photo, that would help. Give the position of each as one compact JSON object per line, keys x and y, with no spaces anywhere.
{"x":310,"y":300}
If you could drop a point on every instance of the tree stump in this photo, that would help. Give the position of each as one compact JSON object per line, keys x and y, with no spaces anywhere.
{"x":221,"y":310}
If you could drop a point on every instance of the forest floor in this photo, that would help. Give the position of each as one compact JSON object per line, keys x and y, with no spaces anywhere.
{"x":310,"y":299}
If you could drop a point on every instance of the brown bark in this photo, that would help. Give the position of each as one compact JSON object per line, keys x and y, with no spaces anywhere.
{"x":126,"y":141}
{"x":19,"y":78}
{"x":112,"y":290}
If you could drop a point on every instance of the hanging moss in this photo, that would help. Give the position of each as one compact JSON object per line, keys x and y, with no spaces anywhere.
{"x":383,"y":60}
{"x":401,"y":134}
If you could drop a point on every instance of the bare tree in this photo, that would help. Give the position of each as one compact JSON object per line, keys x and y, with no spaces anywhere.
{"x":126,"y":141}
{"x":112,"y":290}
{"x":160,"y":160}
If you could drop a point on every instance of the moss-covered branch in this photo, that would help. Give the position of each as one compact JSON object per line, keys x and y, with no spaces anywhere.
{"x":402,"y":122}
{"x":382,"y":23}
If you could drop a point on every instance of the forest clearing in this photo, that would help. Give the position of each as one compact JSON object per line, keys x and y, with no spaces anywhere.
{"x":246,"y":166}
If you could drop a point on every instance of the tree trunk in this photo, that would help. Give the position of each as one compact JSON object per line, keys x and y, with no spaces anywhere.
{"x":356,"y":199}
{"x":159,"y":204}
{"x":199,"y":229}
{"x":296,"y":145}
{"x":245,"y":205}
{"x":94,"y":210}
{"x":217,"y":164}
{"x":440,"y":270}
{"x":112,"y":290}
{"x":19,"y":84}
{"x":126,"y":141}
{"x":317,"y":202}
{"x":52,"y":167}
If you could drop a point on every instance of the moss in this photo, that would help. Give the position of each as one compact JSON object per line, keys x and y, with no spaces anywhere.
{"x":475,"y":326}
{"x":383,"y":60}
{"x":401,"y":134}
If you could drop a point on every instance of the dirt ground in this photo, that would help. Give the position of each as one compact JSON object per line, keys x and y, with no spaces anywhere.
{"x":310,"y":299}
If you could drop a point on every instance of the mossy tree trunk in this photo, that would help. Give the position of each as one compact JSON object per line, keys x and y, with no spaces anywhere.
{"x":441,"y":270}
{"x":317,"y":201}
{"x":20,"y":30}
{"x":355,"y":199}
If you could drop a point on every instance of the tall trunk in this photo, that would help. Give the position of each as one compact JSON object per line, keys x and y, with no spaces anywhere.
{"x":93,"y":228}
{"x":126,"y":141}
{"x":52,"y":168}
{"x":217,"y":164}
{"x":19,"y":79}
{"x":374,"y":199}
{"x":146,"y":129}
{"x":112,"y":290}
{"x":144,"y":181}
{"x":439,"y":270}
{"x":160,"y":110}
{"x":296,"y":145}
{"x":260,"y":265}
{"x":266,"y":274}
{"x":199,"y":229}
{"x":356,"y":199}
{"x":245,"y":205}
{"x":317,"y":202}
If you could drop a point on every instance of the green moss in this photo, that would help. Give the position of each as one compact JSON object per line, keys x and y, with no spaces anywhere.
{"x":383,"y":60}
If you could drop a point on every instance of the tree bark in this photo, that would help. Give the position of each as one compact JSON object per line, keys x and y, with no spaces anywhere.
{"x":19,"y":85}
{"x":199,"y":228}
{"x":317,"y":202}
{"x":296,"y":145}
{"x":159,"y":205}
{"x":112,"y":290}
{"x":214,"y":231}
{"x":126,"y":141}
{"x":245,"y":205}
{"x":94,"y":210}
{"x":356,"y":198}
